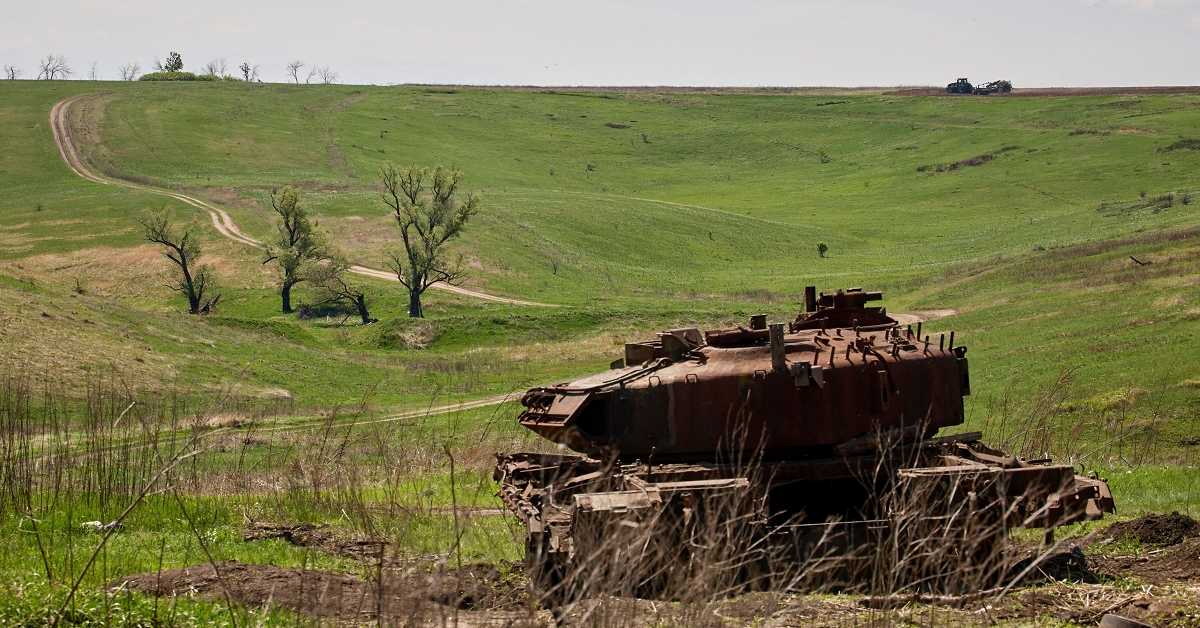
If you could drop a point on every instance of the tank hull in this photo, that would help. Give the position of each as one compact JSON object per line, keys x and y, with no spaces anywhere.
{"x":716,"y":401}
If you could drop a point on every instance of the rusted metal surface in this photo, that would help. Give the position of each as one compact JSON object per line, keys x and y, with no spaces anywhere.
{"x":692,"y":401}
{"x":844,"y":308}
{"x":809,"y":427}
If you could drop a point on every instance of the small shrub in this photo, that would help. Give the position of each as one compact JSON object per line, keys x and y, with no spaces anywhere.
{"x":822,"y":249}
{"x":175,"y":76}
{"x":1185,"y":198}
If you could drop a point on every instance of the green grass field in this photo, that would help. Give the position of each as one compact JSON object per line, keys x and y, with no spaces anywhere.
{"x":633,"y":212}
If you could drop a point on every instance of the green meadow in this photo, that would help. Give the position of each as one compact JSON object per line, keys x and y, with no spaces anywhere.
{"x":1062,"y":232}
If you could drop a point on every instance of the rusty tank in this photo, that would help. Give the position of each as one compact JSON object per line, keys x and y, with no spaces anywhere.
{"x":808,"y":433}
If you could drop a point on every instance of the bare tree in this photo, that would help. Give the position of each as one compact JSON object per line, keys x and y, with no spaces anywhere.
{"x":298,"y":247}
{"x":216,"y":67}
{"x":293,"y":69}
{"x":12,"y":72}
{"x":249,"y":72}
{"x":327,"y":76}
{"x":331,"y":277}
{"x":93,"y":74}
{"x":427,"y":223}
{"x":130,"y":71}
{"x":183,"y":249}
{"x":53,"y":67}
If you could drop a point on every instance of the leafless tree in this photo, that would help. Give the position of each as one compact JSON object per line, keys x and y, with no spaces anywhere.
{"x":330,"y":276}
{"x":293,"y":69}
{"x":427,"y":222}
{"x":130,"y":71}
{"x":93,"y":74}
{"x":183,"y":249}
{"x":249,"y":72}
{"x":12,"y":72}
{"x":53,"y":67}
{"x":327,"y":76}
{"x":312,"y":72}
{"x":216,"y":67}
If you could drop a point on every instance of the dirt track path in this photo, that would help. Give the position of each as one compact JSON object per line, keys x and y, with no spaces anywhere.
{"x":912,"y":318}
{"x":221,"y":220}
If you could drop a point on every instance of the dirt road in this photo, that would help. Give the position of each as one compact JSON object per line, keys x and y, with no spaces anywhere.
{"x":912,"y":318}
{"x":221,"y":220}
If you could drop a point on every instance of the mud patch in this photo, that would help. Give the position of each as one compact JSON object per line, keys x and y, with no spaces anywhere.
{"x":473,"y":595}
{"x":1179,"y":563}
{"x":365,"y":550}
{"x":1155,"y":529}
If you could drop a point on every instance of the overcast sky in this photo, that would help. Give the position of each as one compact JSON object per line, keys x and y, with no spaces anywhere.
{"x":627,"y":42}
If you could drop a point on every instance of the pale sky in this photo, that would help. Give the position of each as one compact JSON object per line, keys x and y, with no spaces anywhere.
{"x":625,"y":42}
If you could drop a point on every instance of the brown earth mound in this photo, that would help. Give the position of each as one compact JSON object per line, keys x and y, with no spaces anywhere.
{"x":1155,"y":529}
{"x":403,"y":598}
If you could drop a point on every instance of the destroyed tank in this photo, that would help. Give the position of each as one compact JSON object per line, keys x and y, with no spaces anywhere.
{"x":808,"y":434}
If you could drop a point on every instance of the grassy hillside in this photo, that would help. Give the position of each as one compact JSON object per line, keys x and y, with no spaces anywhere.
{"x":568,"y":178}
{"x":1062,"y":231}
{"x":636,"y":210}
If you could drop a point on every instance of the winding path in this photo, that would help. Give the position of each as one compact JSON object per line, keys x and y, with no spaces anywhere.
{"x":221,"y":220}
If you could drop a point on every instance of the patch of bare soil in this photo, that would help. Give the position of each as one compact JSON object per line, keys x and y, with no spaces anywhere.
{"x":1155,"y":529}
{"x":1177,"y":563}
{"x":365,"y":550}
{"x":473,"y":595}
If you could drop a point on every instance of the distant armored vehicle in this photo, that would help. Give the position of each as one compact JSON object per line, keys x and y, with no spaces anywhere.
{"x":961,"y":86}
{"x":995,"y":87}
{"x":964,"y":86}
